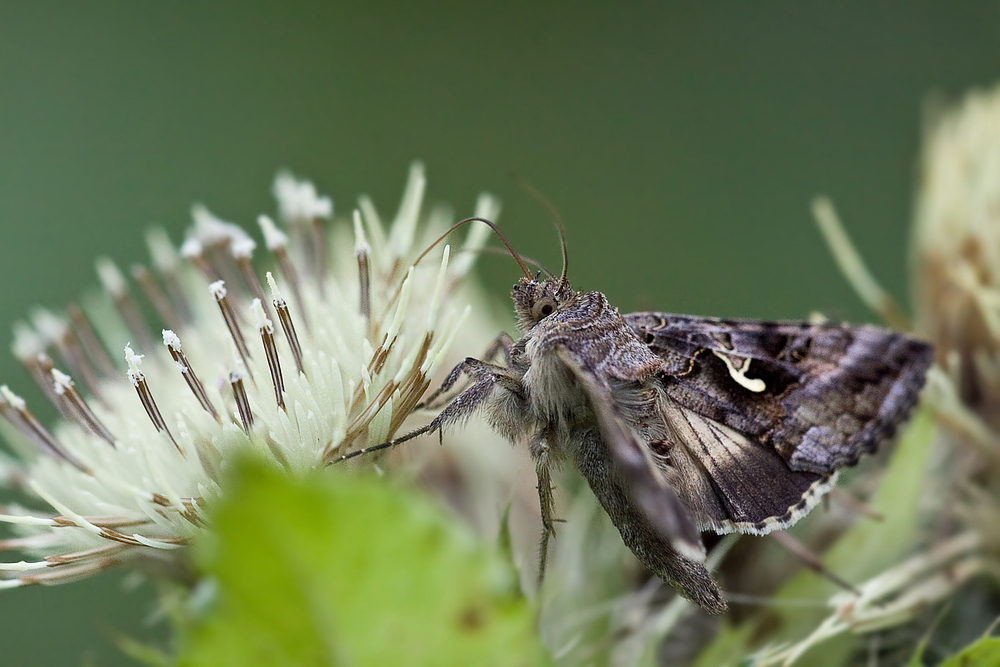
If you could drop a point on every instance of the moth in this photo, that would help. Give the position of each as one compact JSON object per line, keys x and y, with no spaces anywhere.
{"x":684,"y":424}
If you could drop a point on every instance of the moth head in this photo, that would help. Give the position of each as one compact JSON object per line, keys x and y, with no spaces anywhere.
{"x":534,"y":300}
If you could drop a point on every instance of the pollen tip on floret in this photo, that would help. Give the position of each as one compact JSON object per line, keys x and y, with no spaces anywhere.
{"x":274,"y":238}
{"x":262,"y":321}
{"x":27,"y":343}
{"x":161,"y":250}
{"x":242,"y":246}
{"x":218,"y":290}
{"x":111,"y":277}
{"x":13,"y":399}
{"x":61,"y":382}
{"x":374,"y":223}
{"x":284,"y":190}
{"x":191,"y":248}
{"x":171,"y":340}
{"x":285,"y":319}
{"x":173,"y":343}
{"x":236,"y":376}
{"x":52,"y":327}
{"x":361,"y":245}
{"x":208,"y":228}
{"x":273,"y":285}
{"x":266,"y":330}
{"x":323,"y":208}
{"x":138,"y":380}
{"x":298,"y":201}
{"x":133,"y":360}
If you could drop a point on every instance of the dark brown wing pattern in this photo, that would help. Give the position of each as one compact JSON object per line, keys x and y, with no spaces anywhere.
{"x":766,"y":412}
{"x":826,"y":393}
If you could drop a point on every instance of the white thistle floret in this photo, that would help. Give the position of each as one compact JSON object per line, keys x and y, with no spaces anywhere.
{"x":162,"y":251}
{"x":274,"y":238}
{"x":129,"y":470}
{"x":298,"y":201}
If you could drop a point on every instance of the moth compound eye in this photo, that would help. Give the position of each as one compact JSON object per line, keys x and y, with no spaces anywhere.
{"x":543,"y":308}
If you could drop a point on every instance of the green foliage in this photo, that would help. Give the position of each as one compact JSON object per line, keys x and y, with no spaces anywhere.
{"x":982,"y":653}
{"x":342,"y":570}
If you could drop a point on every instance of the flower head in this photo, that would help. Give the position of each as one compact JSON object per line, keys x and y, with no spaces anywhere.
{"x":328,"y":353}
{"x":957,"y":247}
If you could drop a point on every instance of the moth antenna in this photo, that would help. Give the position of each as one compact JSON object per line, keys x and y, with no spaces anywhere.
{"x":556,"y":218}
{"x":503,"y":239}
{"x":510,"y":249}
{"x":527,"y":260}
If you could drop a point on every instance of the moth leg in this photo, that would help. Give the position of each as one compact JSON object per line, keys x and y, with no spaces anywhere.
{"x":540,"y":454}
{"x":486,"y":376}
{"x":502,"y":342}
{"x":464,"y":367}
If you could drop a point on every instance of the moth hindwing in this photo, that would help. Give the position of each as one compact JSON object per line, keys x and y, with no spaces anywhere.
{"x":684,"y":424}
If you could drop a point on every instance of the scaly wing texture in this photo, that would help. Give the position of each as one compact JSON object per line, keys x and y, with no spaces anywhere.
{"x":818,"y":394}
{"x":728,"y":481}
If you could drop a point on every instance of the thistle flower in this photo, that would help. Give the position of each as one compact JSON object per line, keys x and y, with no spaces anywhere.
{"x":957,"y":247}
{"x":329,"y":353}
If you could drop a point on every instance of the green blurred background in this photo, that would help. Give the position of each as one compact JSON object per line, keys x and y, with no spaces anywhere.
{"x":682,"y":144}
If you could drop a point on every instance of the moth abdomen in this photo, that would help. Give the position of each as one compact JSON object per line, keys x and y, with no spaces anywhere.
{"x":653,"y":549}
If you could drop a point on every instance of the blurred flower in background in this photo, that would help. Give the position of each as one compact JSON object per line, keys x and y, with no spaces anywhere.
{"x":956,"y":247}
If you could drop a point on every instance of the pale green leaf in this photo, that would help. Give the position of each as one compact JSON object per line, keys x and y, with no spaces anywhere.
{"x":982,"y":653}
{"x":341,"y":570}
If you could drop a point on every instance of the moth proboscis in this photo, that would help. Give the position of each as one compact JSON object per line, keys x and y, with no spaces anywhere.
{"x":683,"y":424}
